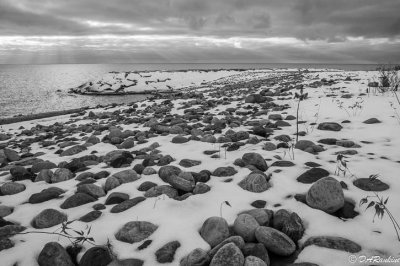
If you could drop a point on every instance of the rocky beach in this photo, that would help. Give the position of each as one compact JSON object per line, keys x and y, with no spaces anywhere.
{"x":230,"y":167}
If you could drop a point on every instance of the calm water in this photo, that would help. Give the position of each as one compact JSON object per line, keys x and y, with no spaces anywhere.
{"x":30,"y":89}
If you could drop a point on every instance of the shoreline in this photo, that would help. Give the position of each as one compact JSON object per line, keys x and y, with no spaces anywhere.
{"x":23,"y":118}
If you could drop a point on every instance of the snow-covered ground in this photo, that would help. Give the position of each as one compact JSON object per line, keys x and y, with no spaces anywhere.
{"x":140,"y":82}
{"x":377,"y":152}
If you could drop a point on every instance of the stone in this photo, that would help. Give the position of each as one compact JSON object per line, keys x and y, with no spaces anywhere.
{"x":289,"y":224}
{"x":96,"y":256}
{"x":224,"y":171}
{"x":48,"y":218}
{"x":333,"y":242}
{"x":328,"y":141}
{"x":228,"y":255}
{"x":275,"y":241}
{"x":160,"y":190}
{"x":312,"y":175}
{"x":372,"y":121}
{"x":326,"y":194}
{"x":262,"y":216}
{"x":20,"y":173}
{"x":254,"y":261}
{"x":116,"y":198}
{"x":184,"y":181}
{"x":73,"y":150}
{"x":6,"y":243}
{"x":54,"y":254}
{"x":201,"y":188}
{"x":44,"y":175}
{"x":283,"y":164}
{"x":92,"y":190}
{"x":269,"y":146}
{"x":259,"y":204}
{"x":127,"y":204}
{"x":169,"y":170}
{"x":111,"y":183}
{"x":11,"y":188}
{"x":197,"y":257}
{"x":10,"y":230}
{"x":37,"y":167}
{"x":45,"y":195}
{"x":90,"y":216}
{"x":146,"y":186}
{"x":127,"y":262}
{"x":118,"y":158}
{"x":135,"y":231}
{"x":214,"y":230}
{"x":76,"y":200}
{"x":189,"y":163}
{"x":128,"y":143}
{"x":330,"y":126}
{"x":165,"y":160}
{"x":237,"y":240}
{"x":179,"y":139}
{"x":149,"y":171}
{"x":61,"y":174}
{"x":256,"y":250}
{"x":368,"y":184}
{"x":126,"y":176}
{"x":255,"y":182}
{"x":245,"y":225}
{"x":166,"y":253}
{"x":255,"y":159}
{"x":304,"y":144}
{"x":5,"y":210}
{"x":11,"y":155}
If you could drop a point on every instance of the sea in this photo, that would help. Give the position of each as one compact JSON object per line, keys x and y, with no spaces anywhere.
{"x":32,"y":89}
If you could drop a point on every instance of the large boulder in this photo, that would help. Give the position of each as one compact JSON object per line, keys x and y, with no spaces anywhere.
{"x":135,"y":231}
{"x":275,"y":241}
{"x":214,"y":230}
{"x":255,"y":159}
{"x":54,"y":254}
{"x":326,"y":194}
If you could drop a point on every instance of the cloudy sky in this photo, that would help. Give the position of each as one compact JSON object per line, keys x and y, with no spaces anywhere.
{"x":132,"y":31}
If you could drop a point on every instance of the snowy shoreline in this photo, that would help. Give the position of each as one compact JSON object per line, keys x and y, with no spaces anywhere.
{"x":216,"y":150}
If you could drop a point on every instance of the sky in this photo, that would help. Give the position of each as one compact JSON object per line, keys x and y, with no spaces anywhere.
{"x":199,"y":31}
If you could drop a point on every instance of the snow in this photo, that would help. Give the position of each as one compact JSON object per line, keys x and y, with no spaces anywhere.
{"x":181,"y":220}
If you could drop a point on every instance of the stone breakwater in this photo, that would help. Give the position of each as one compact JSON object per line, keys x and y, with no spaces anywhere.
{"x":210,"y":175}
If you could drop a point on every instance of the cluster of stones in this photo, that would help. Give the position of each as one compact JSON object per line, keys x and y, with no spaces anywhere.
{"x":255,"y":233}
